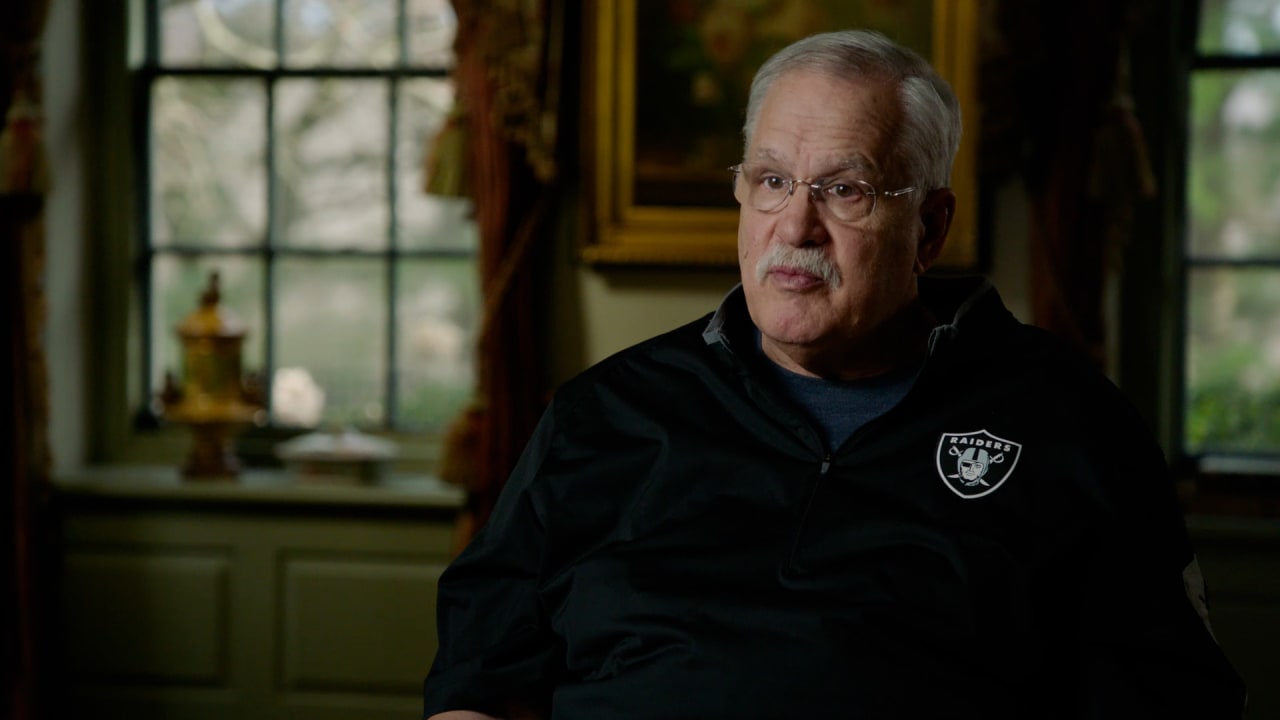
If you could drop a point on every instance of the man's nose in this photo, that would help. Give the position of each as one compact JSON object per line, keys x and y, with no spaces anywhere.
{"x":798,"y":220}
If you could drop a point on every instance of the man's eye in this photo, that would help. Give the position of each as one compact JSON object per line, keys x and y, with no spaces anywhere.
{"x":773,"y":182}
{"x":845,"y":191}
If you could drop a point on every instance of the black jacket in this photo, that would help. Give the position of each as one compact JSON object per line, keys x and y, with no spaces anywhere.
{"x":677,"y":543}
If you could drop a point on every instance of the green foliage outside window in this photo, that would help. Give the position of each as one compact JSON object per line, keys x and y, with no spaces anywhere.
{"x":1232,"y":248}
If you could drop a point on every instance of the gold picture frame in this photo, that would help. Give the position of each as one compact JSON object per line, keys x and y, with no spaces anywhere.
{"x":645,"y":207}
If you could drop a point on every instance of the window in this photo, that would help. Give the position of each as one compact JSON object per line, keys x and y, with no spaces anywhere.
{"x":285,"y":146}
{"x":1231,"y":268}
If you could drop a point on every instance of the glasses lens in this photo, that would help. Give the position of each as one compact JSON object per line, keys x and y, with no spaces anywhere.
{"x":849,"y":200}
{"x":762,"y":189}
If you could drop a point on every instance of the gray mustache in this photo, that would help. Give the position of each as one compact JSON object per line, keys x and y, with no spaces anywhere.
{"x":810,"y":260}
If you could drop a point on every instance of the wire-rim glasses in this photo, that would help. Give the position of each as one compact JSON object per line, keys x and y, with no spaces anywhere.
{"x":847,"y":198}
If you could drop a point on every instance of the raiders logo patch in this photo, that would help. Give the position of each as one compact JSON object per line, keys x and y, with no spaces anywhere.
{"x":974,"y":464}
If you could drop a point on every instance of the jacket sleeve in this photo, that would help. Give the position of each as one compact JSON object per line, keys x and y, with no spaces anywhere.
{"x":495,"y":647}
{"x":1147,"y":650}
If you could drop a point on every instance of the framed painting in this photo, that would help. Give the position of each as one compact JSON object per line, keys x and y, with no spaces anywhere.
{"x":667,"y":85}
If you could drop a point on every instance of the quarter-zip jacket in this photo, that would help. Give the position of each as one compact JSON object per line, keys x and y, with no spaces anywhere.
{"x":676,"y":542}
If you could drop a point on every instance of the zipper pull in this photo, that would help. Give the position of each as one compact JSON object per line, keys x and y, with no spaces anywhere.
{"x":826,"y":465}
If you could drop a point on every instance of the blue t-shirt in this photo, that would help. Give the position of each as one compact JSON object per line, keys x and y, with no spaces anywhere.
{"x":840,"y":407}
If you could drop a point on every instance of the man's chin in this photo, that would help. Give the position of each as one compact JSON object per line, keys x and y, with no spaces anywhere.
{"x":790,"y":332}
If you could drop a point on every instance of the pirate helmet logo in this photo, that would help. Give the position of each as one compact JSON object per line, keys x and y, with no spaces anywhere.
{"x":974,"y":464}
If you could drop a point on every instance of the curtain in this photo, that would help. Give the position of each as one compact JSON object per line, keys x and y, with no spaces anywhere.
{"x":1057,"y":108}
{"x":23,"y":181}
{"x":505,"y":130}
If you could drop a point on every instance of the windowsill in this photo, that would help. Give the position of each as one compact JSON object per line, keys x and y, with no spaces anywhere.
{"x":255,"y":487}
{"x":1227,"y":528}
{"x":1231,"y":500}
{"x":169,"y":444}
{"x":1232,"y":486}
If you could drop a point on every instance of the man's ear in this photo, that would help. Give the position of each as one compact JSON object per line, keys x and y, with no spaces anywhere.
{"x":936,"y":212}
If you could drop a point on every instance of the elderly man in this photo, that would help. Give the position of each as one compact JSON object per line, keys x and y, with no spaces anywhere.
{"x":852,"y":491}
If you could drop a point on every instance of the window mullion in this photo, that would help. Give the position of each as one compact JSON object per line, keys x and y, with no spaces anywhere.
{"x":142,"y":203}
{"x":1186,"y":31}
{"x":271,"y":241}
{"x":393,"y":309}
{"x":391,"y":404}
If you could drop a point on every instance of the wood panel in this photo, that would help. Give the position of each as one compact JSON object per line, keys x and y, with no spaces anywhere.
{"x":148,"y":615}
{"x":357,"y":622}
{"x":204,"y":605}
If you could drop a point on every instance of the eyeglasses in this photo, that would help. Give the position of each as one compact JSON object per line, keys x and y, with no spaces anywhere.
{"x":847,"y":199}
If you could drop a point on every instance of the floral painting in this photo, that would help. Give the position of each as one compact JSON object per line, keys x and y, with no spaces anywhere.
{"x":694,"y":64}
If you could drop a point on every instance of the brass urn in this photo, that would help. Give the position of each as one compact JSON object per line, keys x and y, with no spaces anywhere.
{"x":214,"y":398}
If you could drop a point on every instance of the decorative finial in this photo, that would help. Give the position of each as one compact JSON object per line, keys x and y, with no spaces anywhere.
{"x":212,"y":294}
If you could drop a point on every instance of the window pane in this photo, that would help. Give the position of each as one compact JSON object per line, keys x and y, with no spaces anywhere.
{"x":1233,"y":177}
{"x":331,"y":163}
{"x":432,"y":26}
{"x":1233,"y":360}
{"x":340,"y":33}
{"x":207,"y":33}
{"x":1239,"y":27}
{"x":438,"y":315}
{"x":332,"y":158}
{"x":331,"y":322}
{"x":208,"y":176}
{"x":428,"y":221}
{"x":177,"y":282}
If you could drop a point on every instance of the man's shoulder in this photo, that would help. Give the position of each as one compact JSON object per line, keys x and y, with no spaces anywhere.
{"x":644,"y":365}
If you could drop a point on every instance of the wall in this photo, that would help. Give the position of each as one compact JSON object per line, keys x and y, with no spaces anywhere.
{"x":66,"y":237}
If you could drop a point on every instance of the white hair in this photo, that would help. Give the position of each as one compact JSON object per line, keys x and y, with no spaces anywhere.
{"x":931,"y":114}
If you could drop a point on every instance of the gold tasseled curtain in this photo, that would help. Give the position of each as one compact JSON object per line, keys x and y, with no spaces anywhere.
{"x":504,"y":132}
{"x":1057,"y":108}
{"x":23,"y":182}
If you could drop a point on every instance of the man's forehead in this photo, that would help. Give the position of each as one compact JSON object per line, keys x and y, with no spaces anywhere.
{"x":834,"y":161}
